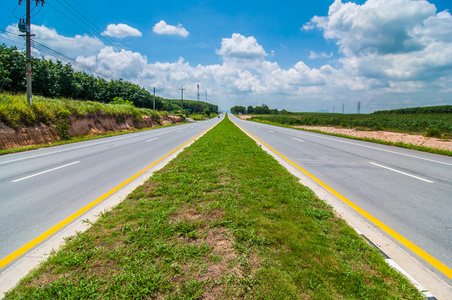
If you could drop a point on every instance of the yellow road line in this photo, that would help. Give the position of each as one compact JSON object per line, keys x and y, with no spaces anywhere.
{"x":11,"y":257}
{"x":427,"y":257}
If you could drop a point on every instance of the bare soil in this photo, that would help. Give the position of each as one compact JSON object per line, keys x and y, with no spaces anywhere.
{"x":417,"y":140}
{"x":23,"y":136}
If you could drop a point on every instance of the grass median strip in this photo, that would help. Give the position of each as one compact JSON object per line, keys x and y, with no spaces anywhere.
{"x":223,"y":220}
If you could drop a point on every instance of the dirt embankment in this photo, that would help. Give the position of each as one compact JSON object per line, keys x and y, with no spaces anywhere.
{"x":395,"y":137}
{"x":78,"y":126}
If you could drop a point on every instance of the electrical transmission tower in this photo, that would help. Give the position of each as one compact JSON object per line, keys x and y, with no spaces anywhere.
{"x":358,"y":110}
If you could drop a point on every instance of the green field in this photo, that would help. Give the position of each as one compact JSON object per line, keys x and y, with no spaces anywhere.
{"x":430,"y":124}
{"x":206,"y":226}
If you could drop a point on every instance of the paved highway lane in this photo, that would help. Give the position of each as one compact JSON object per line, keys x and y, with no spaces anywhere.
{"x":40,"y":188}
{"x":410,"y":191}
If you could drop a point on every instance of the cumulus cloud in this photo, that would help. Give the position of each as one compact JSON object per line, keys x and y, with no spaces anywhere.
{"x":163,"y":28}
{"x":377,"y":26}
{"x":390,"y":52}
{"x":241,"y":47}
{"x":120,"y":64}
{"x":315,"y":55}
{"x":90,"y":61}
{"x":398,"y":40}
{"x":121,"y":31}
{"x":70,"y":46}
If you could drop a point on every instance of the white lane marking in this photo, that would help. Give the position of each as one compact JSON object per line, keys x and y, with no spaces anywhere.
{"x":64,"y":150}
{"x":297,"y":139}
{"x":400,"y":172}
{"x":40,"y":173}
{"x":80,"y":147}
{"x":369,"y":147}
{"x":271,"y":131}
{"x":179,"y":131}
{"x":152,"y":139}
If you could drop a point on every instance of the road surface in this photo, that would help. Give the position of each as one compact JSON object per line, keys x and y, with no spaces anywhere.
{"x":409,"y":191}
{"x":40,"y":188}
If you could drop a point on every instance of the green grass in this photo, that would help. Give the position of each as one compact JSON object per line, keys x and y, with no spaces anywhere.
{"x":222,"y":221}
{"x":15,"y":111}
{"x":433,"y":124}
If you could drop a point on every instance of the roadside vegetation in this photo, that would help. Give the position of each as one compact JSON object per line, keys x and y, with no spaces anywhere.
{"x":437,"y":125}
{"x":15,"y":111}
{"x":433,"y":121}
{"x":223,"y":220}
{"x":53,"y":79}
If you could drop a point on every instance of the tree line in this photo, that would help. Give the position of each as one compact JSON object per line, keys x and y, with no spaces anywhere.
{"x":193,"y":106}
{"x":56,"y":80}
{"x":257,"y":110}
{"x":443,"y":109}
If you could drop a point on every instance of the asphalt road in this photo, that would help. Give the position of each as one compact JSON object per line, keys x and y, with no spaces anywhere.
{"x":40,"y":188}
{"x":410,"y":191}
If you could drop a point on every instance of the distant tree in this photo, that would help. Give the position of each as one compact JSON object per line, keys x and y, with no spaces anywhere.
{"x":250,"y":110}
{"x":238,"y":109}
{"x":262,"y":110}
{"x":207,"y":112}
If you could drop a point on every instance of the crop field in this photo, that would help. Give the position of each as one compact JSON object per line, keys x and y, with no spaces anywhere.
{"x":429,"y":124}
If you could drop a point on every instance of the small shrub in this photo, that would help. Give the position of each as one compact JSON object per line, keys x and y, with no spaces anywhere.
{"x":433,"y":132}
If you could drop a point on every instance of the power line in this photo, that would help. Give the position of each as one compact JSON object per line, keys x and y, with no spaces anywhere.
{"x":58,"y":55}
{"x":97,"y":32}
{"x":43,"y":48}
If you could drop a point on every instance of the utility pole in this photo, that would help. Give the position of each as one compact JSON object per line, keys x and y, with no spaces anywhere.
{"x":197,"y":103}
{"x":198,"y":92}
{"x":359,"y":107}
{"x":182,"y":98}
{"x":26,"y":27}
{"x":153,"y":101}
{"x":343,"y":107}
{"x":206,"y":95}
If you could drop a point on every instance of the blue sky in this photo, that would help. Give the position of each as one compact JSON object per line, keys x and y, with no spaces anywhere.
{"x":294,"y":55}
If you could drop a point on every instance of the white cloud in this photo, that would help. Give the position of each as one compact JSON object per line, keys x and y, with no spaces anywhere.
{"x":70,"y":46}
{"x":390,"y":51}
{"x":122,"y":64}
{"x":241,"y":47}
{"x":90,"y":61}
{"x":163,"y":28}
{"x":315,"y":55}
{"x":121,"y":31}
{"x":398,"y":40}
{"x":377,"y":26}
